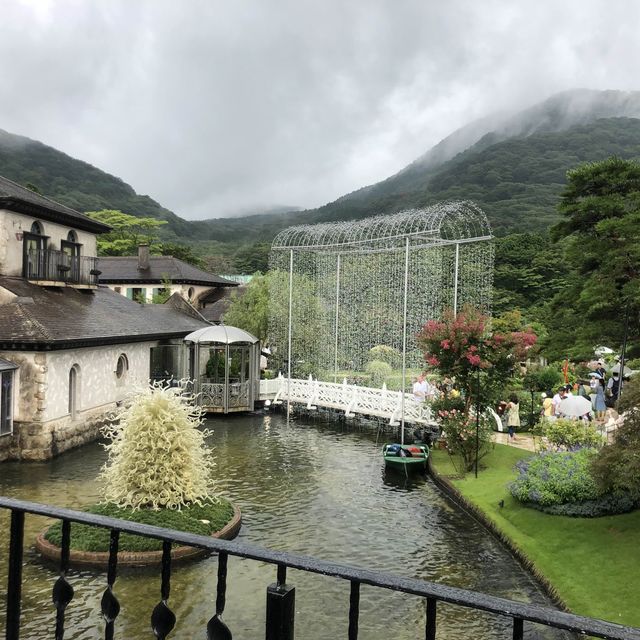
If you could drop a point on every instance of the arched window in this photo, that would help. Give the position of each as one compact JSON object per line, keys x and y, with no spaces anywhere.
{"x":74,"y":383}
{"x":122,"y":366}
{"x":7,"y":371}
{"x":36,"y":228}
{"x":34,"y":244}
{"x":71,"y":250}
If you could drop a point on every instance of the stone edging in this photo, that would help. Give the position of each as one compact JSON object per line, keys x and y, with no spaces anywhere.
{"x":444,"y":485}
{"x":100,"y":559}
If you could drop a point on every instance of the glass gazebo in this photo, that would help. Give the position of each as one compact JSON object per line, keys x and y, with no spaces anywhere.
{"x":225,"y":368}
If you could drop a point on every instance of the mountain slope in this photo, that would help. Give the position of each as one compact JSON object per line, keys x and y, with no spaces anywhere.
{"x":516,"y":181}
{"x":77,"y":184}
{"x":513,"y":165}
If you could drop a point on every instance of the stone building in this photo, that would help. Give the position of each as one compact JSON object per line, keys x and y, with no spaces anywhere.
{"x":143,"y":276}
{"x":70,"y":350}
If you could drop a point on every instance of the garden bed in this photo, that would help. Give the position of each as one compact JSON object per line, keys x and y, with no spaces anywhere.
{"x":90,"y":545}
{"x":591,"y":563}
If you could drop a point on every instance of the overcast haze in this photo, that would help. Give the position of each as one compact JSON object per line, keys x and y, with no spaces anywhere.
{"x":215,"y":107}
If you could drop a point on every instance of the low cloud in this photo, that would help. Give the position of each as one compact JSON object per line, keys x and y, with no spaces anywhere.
{"x":214,"y":108}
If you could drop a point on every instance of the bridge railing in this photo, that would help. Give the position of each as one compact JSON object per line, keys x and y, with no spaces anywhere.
{"x":350,"y":398}
{"x":280,"y":601}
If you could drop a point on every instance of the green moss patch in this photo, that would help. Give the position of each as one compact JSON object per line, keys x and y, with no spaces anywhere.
{"x":217,"y":512}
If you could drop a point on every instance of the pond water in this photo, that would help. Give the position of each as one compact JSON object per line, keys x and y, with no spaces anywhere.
{"x":306,"y":487}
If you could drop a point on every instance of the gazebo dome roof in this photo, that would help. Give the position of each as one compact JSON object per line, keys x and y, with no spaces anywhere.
{"x":220,"y":334}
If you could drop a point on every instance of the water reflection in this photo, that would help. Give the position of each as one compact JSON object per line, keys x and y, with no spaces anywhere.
{"x":315,"y":489}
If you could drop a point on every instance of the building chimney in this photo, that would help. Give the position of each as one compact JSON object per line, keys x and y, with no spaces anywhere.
{"x":143,"y":257}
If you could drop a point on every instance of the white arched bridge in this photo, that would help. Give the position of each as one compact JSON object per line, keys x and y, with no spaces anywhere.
{"x":349,"y":398}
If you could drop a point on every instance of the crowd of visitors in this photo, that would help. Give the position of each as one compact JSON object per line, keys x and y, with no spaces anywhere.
{"x":599,"y":391}
{"x":423,"y":390}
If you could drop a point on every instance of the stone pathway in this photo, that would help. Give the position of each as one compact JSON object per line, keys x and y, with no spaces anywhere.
{"x":522,"y":441}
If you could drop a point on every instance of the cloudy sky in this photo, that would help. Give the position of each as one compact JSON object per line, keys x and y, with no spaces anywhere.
{"x":214,"y":107}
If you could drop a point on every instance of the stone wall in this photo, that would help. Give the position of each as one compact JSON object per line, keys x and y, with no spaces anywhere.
{"x":42,"y":426}
{"x":37,"y":441}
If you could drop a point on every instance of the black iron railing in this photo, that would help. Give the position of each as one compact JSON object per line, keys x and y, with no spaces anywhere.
{"x":280,"y":595}
{"x":50,"y":265}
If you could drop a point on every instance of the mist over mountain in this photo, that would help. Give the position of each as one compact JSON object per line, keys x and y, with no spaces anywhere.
{"x":512,"y":164}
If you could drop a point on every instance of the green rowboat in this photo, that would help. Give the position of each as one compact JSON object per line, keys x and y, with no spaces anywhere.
{"x":406,"y":457}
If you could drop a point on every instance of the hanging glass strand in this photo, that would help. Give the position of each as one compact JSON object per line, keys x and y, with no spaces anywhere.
{"x":348,"y":284}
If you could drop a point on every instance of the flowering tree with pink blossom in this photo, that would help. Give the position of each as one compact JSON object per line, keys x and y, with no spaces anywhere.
{"x":462,"y":345}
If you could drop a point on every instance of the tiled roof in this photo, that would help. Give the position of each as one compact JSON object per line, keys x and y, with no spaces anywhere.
{"x":49,"y":318}
{"x":15,"y":197}
{"x":124,"y":269}
{"x":215,"y":312}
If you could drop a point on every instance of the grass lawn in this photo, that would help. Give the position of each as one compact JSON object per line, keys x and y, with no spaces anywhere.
{"x":594,"y":563}
{"x":203,"y":520}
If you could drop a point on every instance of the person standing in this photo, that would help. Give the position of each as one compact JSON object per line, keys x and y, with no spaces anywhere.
{"x":599,"y":403}
{"x":547,"y":405}
{"x":613,"y":388}
{"x":557,"y":399}
{"x":420,"y":389}
{"x":513,"y":416}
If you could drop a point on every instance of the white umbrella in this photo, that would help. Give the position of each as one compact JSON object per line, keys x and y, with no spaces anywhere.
{"x":616,"y":369}
{"x":575,"y":406}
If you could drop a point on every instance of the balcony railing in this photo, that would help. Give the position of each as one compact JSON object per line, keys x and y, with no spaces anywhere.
{"x":280,"y":603}
{"x":50,"y":265}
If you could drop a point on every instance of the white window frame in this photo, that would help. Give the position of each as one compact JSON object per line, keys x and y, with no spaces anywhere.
{"x":9,"y":418}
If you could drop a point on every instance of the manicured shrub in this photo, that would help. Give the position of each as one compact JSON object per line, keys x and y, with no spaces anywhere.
{"x":378,"y":371}
{"x":608,"y":504}
{"x":570,"y":434}
{"x":383,"y":353}
{"x":543,"y":378}
{"x":556,"y":477}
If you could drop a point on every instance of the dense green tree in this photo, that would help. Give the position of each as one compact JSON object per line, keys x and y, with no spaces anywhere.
{"x":601,"y":235}
{"x":219,"y":263}
{"x":251,"y":258}
{"x":32,"y":187}
{"x":528,"y":272}
{"x":126,"y":234}
{"x":263,"y":311}
{"x":182,"y":252}
{"x":617,"y":467}
{"x":249,"y":309}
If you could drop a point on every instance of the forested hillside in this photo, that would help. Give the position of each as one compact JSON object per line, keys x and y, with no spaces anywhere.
{"x":514,"y":169}
{"x":77,"y":184}
{"x":516,"y":181}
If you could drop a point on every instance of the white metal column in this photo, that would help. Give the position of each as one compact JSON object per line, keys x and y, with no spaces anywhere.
{"x":290,"y":329}
{"x":335,"y":346}
{"x":404,"y":338}
{"x":455,"y":280}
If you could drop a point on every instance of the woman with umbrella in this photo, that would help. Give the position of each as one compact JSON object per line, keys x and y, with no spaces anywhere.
{"x":597,"y":389}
